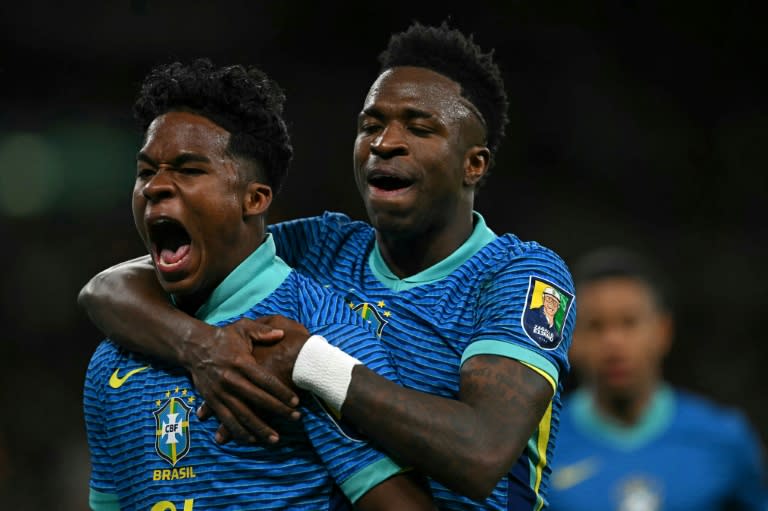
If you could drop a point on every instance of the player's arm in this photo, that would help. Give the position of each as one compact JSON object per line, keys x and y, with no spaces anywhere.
{"x":467,"y":444}
{"x":128,"y":305}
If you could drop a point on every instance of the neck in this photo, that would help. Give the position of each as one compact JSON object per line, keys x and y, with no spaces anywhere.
{"x":248,"y":241}
{"x":627,"y":408}
{"x":412,"y":253}
{"x":191,"y":303}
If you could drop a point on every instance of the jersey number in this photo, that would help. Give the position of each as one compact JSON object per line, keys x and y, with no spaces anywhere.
{"x":165,"y":505}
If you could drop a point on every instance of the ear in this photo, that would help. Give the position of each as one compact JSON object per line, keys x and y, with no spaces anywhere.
{"x":576,"y":351}
{"x":476,"y":164}
{"x":665,"y":332}
{"x":257,"y":199}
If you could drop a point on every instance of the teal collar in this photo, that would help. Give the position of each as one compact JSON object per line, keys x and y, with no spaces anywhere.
{"x":252,"y":281}
{"x":481,"y":236}
{"x":652,"y":423}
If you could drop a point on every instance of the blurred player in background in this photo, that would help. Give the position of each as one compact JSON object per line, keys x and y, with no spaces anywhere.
{"x":628,"y":440}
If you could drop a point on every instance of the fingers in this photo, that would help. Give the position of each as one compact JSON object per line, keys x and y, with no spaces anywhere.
{"x":204,"y":412}
{"x":223,"y":435}
{"x":280,"y":398}
{"x":258,"y":331}
{"x":279,"y":322}
{"x":239,"y":424}
{"x":243,"y":410}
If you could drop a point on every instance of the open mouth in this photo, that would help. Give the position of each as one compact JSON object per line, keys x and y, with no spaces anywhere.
{"x":388,"y":182}
{"x":170,"y":244}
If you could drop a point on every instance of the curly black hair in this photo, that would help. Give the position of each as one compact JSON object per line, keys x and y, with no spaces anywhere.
{"x":451,"y":53}
{"x":243,"y":100}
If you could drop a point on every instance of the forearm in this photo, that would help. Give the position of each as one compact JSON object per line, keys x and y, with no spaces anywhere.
{"x":128,"y":295}
{"x":438,"y":437}
{"x":466,"y":445}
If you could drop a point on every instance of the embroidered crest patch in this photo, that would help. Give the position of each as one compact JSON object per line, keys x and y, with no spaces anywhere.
{"x":374,"y":314}
{"x":546,"y":308}
{"x":172,"y":430}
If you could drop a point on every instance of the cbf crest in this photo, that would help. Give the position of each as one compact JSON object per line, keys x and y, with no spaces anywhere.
{"x":172,"y":438}
{"x":375,"y":314}
{"x":545,"y":312}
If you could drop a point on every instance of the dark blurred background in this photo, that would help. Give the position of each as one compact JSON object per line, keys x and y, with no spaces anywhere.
{"x":633,"y":123}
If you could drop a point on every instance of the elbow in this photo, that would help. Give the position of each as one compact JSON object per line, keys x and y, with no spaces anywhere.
{"x":480,"y":486}
{"x":86,"y":295}
{"x":482,"y":474}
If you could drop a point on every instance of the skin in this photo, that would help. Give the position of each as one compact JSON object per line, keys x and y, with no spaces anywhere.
{"x":186,"y":175}
{"x":415,"y":126}
{"x":619,"y":343}
{"x":550,"y":308}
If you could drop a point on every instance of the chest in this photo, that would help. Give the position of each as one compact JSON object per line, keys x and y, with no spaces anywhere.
{"x":160,"y":451}
{"x":425,"y":329}
{"x":672,"y":474}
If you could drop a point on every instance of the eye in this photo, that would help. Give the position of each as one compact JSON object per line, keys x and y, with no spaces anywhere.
{"x":144,"y":172}
{"x":368,"y":128}
{"x":191,"y":171}
{"x":420,"y":130}
{"x":630,"y":322}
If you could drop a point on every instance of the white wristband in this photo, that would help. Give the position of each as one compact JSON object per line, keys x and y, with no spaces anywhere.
{"x":324,"y":370}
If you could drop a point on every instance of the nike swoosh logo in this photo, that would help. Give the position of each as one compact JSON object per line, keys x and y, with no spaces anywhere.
{"x":575,"y":473}
{"x":116,"y":381}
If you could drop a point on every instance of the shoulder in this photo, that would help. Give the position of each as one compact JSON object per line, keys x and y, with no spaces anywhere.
{"x":319,"y":303}
{"x":531,"y":252}
{"x":527,"y":262}
{"x":106,"y":352}
{"x":697,"y":413}
{"x":328,"y":221}
{"x":334,"y":220}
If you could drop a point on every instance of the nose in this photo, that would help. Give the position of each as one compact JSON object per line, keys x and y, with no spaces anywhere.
{"x":160,"y":186}
{"x":390,"y":142}
{"x":612,"y":337}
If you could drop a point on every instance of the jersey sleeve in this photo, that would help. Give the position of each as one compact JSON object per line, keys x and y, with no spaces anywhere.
{"x":510,"y":318}
{"x":102,"y":494}
{"x":355,"y":464}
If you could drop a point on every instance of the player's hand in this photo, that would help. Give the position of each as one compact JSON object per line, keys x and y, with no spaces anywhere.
{"x":276,"y":358}
{"x":279,"y":358}
{"x":235,"y":387}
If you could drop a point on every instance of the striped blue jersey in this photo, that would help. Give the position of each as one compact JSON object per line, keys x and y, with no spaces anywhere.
{"x":486,"y":298}
{"x":684,"y":454}
{"x":150,"y":452}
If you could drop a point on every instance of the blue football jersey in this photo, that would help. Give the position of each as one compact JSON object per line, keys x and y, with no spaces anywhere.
{"x":479,"y":300}
{"x":684,"y":454}
{"x":150,"y":452}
